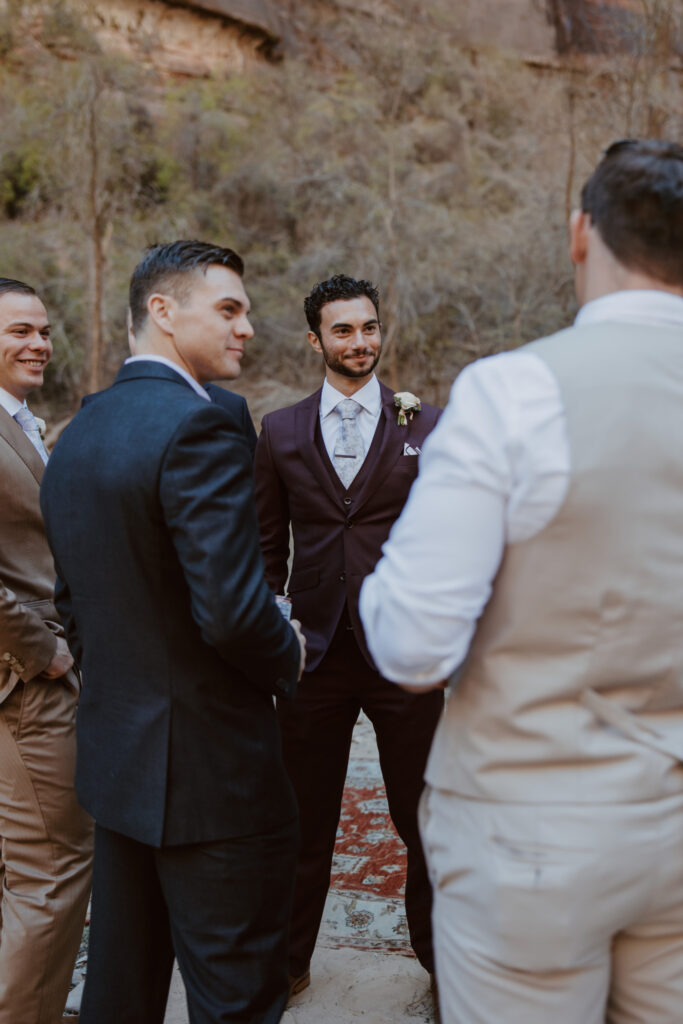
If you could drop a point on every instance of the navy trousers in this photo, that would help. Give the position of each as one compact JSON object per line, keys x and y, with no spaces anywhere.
{"x":221,"y":908}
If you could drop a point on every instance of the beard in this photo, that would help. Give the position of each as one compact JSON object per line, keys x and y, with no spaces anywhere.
{"x":340,"y":366}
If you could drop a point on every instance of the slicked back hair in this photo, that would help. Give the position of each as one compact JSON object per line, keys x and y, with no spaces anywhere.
{"x":168,"y":268}
{"x":338,"y":287}
{"x":635,"y":200}
{"x":8,"y":284}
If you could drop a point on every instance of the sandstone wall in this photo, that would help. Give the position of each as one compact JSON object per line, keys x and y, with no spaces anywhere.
{"x":518,"y":25}
{"x":181,"y":40}
{"x":266,"y":15}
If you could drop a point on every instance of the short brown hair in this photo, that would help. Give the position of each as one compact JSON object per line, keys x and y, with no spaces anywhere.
{"x":8,"y":284}
{"x":338,"y":287}
{"x":167,"y":266}
{"x":635,"y":200}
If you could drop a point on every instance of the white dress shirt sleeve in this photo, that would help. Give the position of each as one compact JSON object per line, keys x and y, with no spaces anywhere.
{"x":494,"y":471}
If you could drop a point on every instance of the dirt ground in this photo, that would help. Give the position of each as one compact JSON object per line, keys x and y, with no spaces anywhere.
{"x":347,"y":985}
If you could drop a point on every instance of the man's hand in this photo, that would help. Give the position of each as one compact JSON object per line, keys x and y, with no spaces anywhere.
{"x":296,"y":626}
{"x":61,"y":661}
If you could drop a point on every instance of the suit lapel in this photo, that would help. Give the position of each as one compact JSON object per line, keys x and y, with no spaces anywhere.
{"x":17,"y":439}
{"x":306,"y":421}
{"x":390,"y":450}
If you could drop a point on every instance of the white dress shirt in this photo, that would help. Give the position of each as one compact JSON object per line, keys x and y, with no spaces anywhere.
{"x":494,"y":471}
{"x":369,"y":397}
{"x":195,"y":385}
{"x":9,"y":403}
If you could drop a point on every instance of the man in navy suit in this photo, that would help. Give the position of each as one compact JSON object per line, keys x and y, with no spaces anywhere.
{"x":149,"y":512}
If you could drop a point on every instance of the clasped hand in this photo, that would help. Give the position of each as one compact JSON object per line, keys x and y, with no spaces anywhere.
{"x":61,"y":661}
{"x":296,"y":626}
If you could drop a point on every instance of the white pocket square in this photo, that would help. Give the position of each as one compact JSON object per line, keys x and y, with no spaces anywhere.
{"x":411,"y":449}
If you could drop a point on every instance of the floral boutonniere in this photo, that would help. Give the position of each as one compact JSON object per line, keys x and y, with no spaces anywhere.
{"x":42,"y":427}
{"x":406,"y":402}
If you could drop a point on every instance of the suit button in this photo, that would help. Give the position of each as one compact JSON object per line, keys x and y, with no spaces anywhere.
{"x":348,"y":524}
{"x":342,"y":578}
{"x":347,"y":501}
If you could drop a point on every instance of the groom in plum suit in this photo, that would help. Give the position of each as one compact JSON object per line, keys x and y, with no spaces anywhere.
{"x":338,"y":467}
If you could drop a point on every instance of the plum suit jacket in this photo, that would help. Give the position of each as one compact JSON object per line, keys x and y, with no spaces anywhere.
{"x":338,"y":534}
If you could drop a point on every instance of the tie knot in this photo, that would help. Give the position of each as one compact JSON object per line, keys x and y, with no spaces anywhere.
{"x":29,"y":424}
{"x":348,"y":409}
{"x":26,"y":419}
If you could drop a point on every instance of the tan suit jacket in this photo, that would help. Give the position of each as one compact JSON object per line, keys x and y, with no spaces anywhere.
{"x":28,"y":619}
{"x":46,"y":837}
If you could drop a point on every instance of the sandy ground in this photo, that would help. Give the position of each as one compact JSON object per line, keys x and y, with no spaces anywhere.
{"x":348,"y":984}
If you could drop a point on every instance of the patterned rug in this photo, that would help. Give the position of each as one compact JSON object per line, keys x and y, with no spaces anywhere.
{"x":364,"y":907}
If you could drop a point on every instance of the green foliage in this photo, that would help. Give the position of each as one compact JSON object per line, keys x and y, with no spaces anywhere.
{"x":390,"y":152}
{"x":19,"y":176}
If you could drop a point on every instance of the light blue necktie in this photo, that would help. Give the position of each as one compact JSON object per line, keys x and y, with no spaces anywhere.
{"x":349,"y":450}
{"x":29,"y":425}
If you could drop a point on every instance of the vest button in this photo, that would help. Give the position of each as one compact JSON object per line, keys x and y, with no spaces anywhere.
{"x":347,"y":501}
{"x":342,"y":578}
{"x":348,"y":524}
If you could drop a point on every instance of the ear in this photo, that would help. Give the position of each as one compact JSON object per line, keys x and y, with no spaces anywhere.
{"x":161,"y":309}
{"x":314,"y":342}
{"x":579,"y":226}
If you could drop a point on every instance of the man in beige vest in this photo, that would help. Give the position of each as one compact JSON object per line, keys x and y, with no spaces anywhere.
{"x":46,"y":837}
{"x":545,"y":534}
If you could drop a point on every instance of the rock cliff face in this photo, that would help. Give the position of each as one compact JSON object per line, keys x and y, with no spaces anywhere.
{"x":615,"y":26}
{"x":263,"y":15}
{"x":198,"y":38}
{"x":514,"y":25}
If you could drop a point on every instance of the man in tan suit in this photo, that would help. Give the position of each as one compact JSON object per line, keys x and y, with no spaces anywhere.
{"x":545,"y":534}
{"x":46,"y":837}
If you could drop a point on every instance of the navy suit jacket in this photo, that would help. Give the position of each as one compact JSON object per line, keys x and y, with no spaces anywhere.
{"x":338,"y":534}
{"x":149,"y":512}
{"x":235,"y":404}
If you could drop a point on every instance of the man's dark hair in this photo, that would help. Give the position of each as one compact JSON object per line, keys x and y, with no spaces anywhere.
{"x":338,"y":287}
{"x":635,"y":200}
{"x":8,"y":284}
{"x":165,"y":268}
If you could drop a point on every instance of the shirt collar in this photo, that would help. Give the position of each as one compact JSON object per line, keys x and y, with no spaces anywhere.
{"x":644,"y":306}
{"x":11,"y":404}
{"x":369,"y":397}
{"x":195,"y":385}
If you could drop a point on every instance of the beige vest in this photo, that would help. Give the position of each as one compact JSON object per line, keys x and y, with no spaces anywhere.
{"x":573,"y":688}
